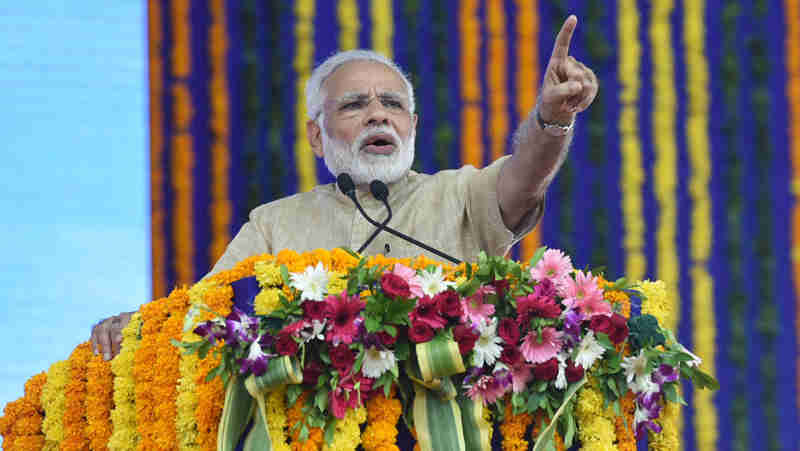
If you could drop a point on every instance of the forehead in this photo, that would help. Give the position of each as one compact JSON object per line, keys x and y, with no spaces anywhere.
{"x":363,"y":76}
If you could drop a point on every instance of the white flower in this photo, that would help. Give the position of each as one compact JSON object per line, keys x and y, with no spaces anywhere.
{"x":637,"y":374}
{"x":487,"y":348}
{"x":695,"y":359}
{"x":589,"y":350}
{"x":312,"y":282}
{"x":561,"y":378}
{"x":377,"y":362}
{"x":316,"y":332}
{"x":433,"y":283}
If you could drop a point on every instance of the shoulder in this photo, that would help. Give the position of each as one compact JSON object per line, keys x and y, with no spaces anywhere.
{"x":294,"y":204}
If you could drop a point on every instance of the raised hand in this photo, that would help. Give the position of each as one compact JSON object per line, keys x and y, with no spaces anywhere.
{"x":107,"y":335}
{"x":568,"y":86}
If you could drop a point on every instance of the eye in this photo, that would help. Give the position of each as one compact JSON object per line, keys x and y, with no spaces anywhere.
{"x":392,"y":103}
{"x":352,"y":105}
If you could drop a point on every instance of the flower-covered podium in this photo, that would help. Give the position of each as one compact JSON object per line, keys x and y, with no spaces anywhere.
{"x":329,"y":351}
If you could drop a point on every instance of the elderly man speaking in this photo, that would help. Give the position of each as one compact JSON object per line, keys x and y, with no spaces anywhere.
{"x":362,"y":123}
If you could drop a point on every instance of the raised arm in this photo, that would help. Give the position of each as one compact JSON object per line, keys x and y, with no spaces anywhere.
{"x":540,"y":143}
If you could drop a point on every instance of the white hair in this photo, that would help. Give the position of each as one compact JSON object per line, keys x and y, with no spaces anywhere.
{"x":315,"y":95}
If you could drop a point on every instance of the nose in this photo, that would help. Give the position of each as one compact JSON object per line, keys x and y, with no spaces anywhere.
{"x":376,"y":114}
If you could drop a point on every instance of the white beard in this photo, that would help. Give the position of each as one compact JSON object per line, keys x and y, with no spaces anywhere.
{"x":365,"y":167}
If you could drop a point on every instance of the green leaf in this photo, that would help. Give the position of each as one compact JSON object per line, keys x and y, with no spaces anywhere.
{"x":330,"y":429}
{"x":547,"y":434}
{"x":285,"y":275}
{"x":612,"y":385}
{"x":604,"y":341}
{"x":569,"y":434}
{"x":671,"y":392}
{"x":321,"y":399}
{"x":293,"y":392}
{"x":391,"y":330}
{"x":537,"y":256}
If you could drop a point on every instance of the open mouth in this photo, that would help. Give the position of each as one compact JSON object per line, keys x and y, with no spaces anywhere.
{"x":382,"y":143}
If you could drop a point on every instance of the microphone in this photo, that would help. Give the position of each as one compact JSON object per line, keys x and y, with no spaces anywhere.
{"x":379,"y":191}
{"x":346,"y":185}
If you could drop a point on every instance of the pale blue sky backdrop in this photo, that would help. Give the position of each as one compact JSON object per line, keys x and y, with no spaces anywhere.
{"x":74,"y":227}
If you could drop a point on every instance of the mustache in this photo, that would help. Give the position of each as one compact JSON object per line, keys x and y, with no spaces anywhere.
{"x":371,"y":132}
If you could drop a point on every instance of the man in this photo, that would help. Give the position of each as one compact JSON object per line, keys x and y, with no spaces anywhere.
{"x":362,"y":122}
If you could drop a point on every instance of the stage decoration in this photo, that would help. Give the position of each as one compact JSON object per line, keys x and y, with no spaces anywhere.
{"x":303,"y":63}
{"x":702,"y":313}
{"x":349,"y":26}
{"x":21,"y":422}
{"x":382,"y":12}
{"x":793,"y":93}
{"x":53,"y":396}
{"x":75,"y":400}
{"x":99,"y":400}
{"x":455,"y":340}
{"x":471,"y":113}
{"x":630,"y":144}
{"x":123,"y":416}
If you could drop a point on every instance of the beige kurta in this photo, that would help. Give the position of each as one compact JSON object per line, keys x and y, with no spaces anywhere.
{"x":455,"y":211}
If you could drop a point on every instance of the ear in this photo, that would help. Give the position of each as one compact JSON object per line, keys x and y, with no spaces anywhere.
{"x":414,"y":121}
{"x":314,"y":135}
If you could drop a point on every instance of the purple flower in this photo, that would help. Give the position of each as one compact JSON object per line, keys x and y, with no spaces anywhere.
{"x":256,"y":360}
{"x":648,"y":408}
{"x":211,"y":330}
{"x":572,"y":325}
{"x":242,"y":329}
{"x":664,"y":374}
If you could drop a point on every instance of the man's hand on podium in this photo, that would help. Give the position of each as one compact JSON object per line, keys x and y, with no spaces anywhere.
{"x":107,"y":335}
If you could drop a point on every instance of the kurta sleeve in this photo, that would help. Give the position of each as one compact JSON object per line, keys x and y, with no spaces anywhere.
{"x":483,"y":211}
{"x":252,"y":239}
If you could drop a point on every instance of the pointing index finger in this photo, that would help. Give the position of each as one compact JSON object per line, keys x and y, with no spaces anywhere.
{"x":561,"y":47}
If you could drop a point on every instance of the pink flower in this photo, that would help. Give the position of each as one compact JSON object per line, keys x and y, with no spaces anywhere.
{"x":583,"y":288}
{"x":474,"y":309}
{"x":554,"y":265}
{"x":428,"y":311}
{"x":411,"y":278}
{"x":520,"y":376}
{"x":593,"y":306}
{"x":487,"y":388}
{"x":537,"y":307}
{"x":342,"y":316}
{"x":539,"y":349}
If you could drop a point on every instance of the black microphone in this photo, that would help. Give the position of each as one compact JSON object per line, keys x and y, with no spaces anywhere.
{"x":346,"y":185}
{"x":379,"y":191}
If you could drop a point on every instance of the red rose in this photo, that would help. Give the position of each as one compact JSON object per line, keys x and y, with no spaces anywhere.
{"x":313,"y":310}
{"x":420,"y":332}
{"x":500,"y":287}
{"x":342,"y":358}
{"x":386,"y":339}
{"x":285,"y":345}
{"x":511,"y":355}
{"x":311,"y":372}
{"x":449,"y":304}
{"x":574,"y":372}
{"x":601,"y":323}
{"x":546,"y":371}
{"x":465,"y":337}
{"x":619,"y":329}
{"x":508,"y":330}
{"x":395,"y":286}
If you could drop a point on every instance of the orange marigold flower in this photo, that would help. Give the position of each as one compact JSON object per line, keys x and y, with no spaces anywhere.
{"x":74,"y":403}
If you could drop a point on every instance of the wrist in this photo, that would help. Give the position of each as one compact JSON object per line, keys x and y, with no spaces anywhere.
{"x":556,"y":126}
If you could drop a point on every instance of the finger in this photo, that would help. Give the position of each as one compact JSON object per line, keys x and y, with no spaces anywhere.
{"x":561,"y":46}
{"x":105,"y":340}
{"x":561,"y":92}
{"x":116,"y":342}
{"x":94,"y":340}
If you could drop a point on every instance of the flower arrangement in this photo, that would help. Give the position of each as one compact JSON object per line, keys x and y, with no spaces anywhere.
{"x":497,"y":339}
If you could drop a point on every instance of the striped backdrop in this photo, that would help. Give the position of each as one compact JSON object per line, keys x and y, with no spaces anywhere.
{"x":686,"y":168}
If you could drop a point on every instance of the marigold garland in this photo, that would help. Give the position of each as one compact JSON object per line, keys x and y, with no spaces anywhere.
{"x":53,"y":396}
{"x":294,"y":420}
{"x":303,"y":60}
{"x":513,"y":429}
{"x":471,"y":113}
{"x":792,"y":9}
{"x":703,"y":315}
{"x":668,"y":439}
{"x":347,"y":435}
{"x":277,"y":419}
{"x":596,"y":429}
{"x":623,"y":424}
{"x":349,"y":26}
{"x":158,"y":241}
{"x":99,"y":400}
{"x":540,"y":420}
{"x":630,"y":143}
{"x":123,"y":416}
{"x":383,"y":413}
{"x":21,"y":423}
{"x":145,"y":368}
{"x":497,"y":76}
{"x":74,"y":400}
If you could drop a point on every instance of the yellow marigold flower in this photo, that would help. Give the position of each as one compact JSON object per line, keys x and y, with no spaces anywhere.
{"x":667,"y":439}
{"x":53,"y":400}
{"x":337,"y":283}
{"x":657,"y":302}
{"x":268,"y":274}
{"x":267,"y":300}
{"x":590,"y":402}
